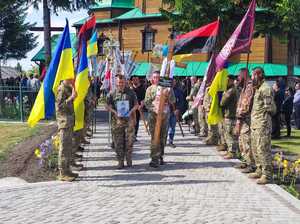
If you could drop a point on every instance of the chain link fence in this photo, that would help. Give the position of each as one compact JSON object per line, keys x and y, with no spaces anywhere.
{"x":16,"y":102}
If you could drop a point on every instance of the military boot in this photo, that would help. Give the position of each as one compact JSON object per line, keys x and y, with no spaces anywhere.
{"x":120,"y":164}
{"x":221,"y":147}
{"x":86,"y":142}
{"x":80,"y":149}
{"x":65,"y":176}
{"x":230,"y":155}
{"x":154,"y":163}
{"x":161,"y":161}
{"x":240,"y":166}
{"x":89,"y":134}
{"x":255,"y":175}
{"x":264,"y":180}
{"x":248,"y":169}
{"x":76,"y":167}
{"x":71,"y":174}
{"x":76,"y":156}
{"x":129,"y":159}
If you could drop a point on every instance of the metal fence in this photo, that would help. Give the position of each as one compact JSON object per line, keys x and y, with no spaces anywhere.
{"x":16,"y":102}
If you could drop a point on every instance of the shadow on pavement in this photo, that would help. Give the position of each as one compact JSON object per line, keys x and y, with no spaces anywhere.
{"x":131,"y":177}
{"x":168,"y":166}
{"x":176,"y":182}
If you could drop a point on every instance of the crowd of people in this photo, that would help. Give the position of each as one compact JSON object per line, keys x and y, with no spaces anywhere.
{"x":30,"y":82}
{"x":249,"y":105}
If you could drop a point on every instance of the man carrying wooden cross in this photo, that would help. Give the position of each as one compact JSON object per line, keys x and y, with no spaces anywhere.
{"x":152,"y":98}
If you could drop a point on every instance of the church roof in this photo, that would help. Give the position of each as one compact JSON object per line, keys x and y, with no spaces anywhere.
{"x":136,"y":13}
{"x":104,"y":4}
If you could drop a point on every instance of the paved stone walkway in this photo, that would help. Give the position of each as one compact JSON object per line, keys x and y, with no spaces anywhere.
{"x":195,"y":186}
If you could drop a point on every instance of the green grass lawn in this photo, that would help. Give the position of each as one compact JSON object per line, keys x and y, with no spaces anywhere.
{"x":291,"y":144}
{"x":11,"y":134}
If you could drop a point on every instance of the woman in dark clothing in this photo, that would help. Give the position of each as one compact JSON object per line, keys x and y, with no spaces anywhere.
{"x":287,"y":109}
{"x":278,"y":98}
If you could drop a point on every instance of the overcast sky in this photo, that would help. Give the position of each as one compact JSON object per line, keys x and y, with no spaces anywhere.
{"x":56,"y":21}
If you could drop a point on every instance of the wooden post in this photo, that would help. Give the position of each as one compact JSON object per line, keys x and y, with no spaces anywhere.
{"x":164,"y":94}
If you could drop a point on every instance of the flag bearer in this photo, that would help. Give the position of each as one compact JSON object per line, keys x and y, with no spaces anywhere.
{"x":228,"y":104}
{"x":65,"y":120}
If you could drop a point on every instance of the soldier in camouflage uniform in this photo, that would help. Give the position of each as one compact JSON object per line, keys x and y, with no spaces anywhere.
{"x":242,"y":128}
{"x":222,"y":143}
{"x":122,"y":120}
{"x":79,"y":135}
{"x":194,"y":90}
{"x":212,"y":131}
{"x":151,"y":102}
{"x":65,"y":117}
{"x":202,"y":121}
{"x":228,"y":104}
{"x":261,"y":127}
{"x":89,"y":103}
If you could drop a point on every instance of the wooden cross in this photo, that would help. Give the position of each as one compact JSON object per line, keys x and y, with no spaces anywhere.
{"x":164,"y":92}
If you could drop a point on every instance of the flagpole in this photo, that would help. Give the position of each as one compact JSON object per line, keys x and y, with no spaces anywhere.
{"x":247,"y":66}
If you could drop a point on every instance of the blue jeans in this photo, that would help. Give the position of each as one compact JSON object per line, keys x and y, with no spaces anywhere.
{"x":172,"y":125}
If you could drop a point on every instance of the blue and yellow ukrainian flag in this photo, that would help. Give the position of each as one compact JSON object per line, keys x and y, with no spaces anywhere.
{"x":218,"y":86}
{"x":92,"y":47}
{"x":61,"y":68}
{"x":82,"y":84}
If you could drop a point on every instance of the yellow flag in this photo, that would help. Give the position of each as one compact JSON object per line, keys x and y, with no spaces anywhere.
{"x":218,"y":86}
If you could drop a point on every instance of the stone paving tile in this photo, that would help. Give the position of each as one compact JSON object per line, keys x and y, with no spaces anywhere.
{"x":195,"y":186}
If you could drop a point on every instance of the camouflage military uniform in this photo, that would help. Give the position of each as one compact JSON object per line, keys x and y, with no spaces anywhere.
{"x":228,"y":104}
{"x":243,"y":112}
{"x":122,"y":128}
{"x":151,"y":102}
{"x":89,"y":107}
{"x":212,"y":131}
{"x":193,"y":93}
{"x":221,"y":131}
{"x":202,"y":121}
{"x":261,"y":127}
{"x":79,"y":135}
{"x":65,"y":120}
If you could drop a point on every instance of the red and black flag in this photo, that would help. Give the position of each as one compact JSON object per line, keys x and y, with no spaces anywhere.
{"x":87,"y":28}
{"x":200,"y":40}
{"x":85,"y":33}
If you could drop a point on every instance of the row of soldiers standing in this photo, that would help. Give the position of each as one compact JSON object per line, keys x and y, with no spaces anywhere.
{"x":247,"y":107}
{"x":70,"y":140}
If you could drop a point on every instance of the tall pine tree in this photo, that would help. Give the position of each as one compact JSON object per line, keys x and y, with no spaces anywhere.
{"x":15,"y":38}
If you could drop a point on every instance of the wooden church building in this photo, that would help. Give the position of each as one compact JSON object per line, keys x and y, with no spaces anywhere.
{"x":138,"y":25}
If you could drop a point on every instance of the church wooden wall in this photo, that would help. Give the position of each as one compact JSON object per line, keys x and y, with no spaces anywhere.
{"x":257,"y":54}
{"x":103,"y":14}
{"x":153,"y":6}
{"x":132,"y":36}
{"x":279,"y":51}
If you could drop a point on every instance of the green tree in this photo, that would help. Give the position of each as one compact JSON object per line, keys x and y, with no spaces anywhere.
{"x":278,"y":18}
{"x":282,"y":19}
{"x":186,"y":15}
{"x":15,"y":38}
{"x":53,"y":6}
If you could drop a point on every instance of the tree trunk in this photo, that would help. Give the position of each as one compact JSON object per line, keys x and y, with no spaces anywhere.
{"x":47,"y":32}
{"x":290,"y":59}
{"x":1,"y":92}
